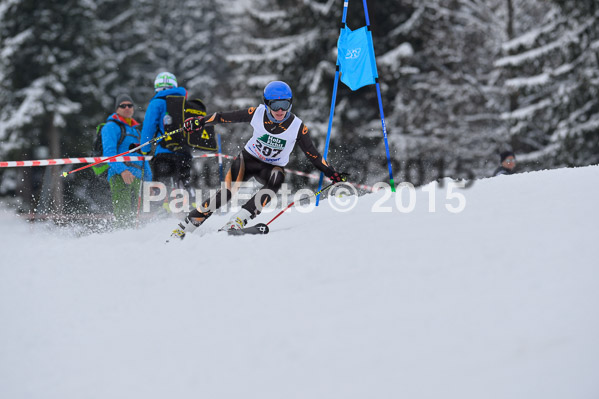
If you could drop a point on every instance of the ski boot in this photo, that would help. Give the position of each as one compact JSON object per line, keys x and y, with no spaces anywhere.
{"x":191,"y":222}
{"x":237,"y":221}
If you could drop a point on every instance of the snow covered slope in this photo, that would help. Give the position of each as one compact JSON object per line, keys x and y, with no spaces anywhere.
{"x":497,"y":301}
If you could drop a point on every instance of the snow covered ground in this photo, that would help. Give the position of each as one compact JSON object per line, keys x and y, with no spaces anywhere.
{"x":497,"y":301}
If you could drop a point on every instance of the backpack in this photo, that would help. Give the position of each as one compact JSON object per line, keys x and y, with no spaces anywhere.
{"x":98,"y":149}
{"x":177,"y":110}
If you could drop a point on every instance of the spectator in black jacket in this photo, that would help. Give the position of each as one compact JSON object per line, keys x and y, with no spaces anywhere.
{"x":508,"y":163}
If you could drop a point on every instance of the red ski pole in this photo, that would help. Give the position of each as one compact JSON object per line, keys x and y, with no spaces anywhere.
{"x":155,"y":139}
{"x":290,"y":205}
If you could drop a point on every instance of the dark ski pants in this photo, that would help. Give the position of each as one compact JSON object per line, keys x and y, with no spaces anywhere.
{"x":243,"y":168}
{"x":174,"y":170}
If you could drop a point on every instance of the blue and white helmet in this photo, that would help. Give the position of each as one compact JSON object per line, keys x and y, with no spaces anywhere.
{"x":164,"y":81}
{"x":278,"y":90}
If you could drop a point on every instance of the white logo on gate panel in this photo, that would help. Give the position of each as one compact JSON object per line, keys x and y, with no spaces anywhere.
{"x":353,"y":53}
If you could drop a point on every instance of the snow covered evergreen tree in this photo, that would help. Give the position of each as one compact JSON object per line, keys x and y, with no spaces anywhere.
{"x":436,"y":70}
{"x":184,"y":39}
{"x":553,"y":70}
{"x":123,"y":53}
{"x":48,"y":64}
{"x":48,"y":68}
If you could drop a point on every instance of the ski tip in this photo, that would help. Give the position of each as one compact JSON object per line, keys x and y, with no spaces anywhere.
{"x":257,"y":229}
{"x":263,"y":228}
{"x":64,"y":174}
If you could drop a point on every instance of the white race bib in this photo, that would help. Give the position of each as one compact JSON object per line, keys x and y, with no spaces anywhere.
{"x":272,"y":148}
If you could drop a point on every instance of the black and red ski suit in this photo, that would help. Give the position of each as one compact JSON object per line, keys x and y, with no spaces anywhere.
{"x":245,"y":165}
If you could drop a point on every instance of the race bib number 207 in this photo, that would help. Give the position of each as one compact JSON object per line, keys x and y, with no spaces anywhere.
{"x":270,"y":146}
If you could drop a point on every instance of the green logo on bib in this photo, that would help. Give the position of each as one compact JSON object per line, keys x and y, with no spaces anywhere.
{"x":272,"y":142}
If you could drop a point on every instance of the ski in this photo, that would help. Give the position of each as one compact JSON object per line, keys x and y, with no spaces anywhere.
{"x":259,"y":228}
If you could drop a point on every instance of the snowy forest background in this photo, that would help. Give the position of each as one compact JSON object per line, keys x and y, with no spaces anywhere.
{"x":461,"y":80}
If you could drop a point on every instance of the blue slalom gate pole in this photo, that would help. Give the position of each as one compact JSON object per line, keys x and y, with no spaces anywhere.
{"x":391,"y":181}
{"x":380,"y":100}
{"x":332,"y":111}
{"x":326,"y":146}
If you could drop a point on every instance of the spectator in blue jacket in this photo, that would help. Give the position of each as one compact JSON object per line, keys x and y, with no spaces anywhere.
{"x":171,"y":164}
{"x":119,"y":134}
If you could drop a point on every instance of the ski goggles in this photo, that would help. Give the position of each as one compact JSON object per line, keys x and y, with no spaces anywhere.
{"x":277,"y":105}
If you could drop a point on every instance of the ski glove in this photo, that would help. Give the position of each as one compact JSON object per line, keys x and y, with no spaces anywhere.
{"x":338,"y":177}
{"x":194,"y":124}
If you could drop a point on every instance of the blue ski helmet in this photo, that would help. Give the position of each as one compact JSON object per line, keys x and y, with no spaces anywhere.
{"x":277,"y":90}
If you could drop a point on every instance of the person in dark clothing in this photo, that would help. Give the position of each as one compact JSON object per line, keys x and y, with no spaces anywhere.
{"x":275,"y":132}
{"x":507,"y":161}
{"x":171,"y":165}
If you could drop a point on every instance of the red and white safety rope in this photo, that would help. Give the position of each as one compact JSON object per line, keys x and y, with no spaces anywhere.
{"x":69,"y":161}
{"x":72,"y":161}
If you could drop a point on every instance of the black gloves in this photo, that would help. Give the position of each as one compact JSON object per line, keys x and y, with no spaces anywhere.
{"x":194,"y":124}
{"x":337,"y":177}
{"x":133,"y":146}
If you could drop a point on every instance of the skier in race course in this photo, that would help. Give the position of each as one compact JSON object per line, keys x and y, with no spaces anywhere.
{"x":276,"y":130}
